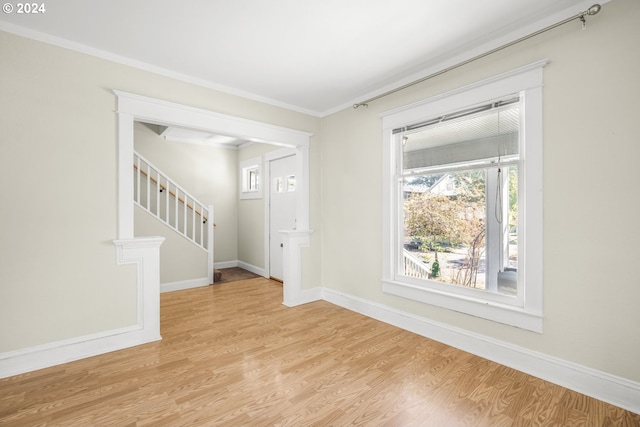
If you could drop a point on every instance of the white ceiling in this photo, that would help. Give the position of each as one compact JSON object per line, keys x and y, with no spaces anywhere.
{"x":313,"y":56}
{"x":177,"y":134}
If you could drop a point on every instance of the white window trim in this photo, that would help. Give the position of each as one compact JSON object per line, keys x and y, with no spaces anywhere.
{"x":527,"y":81}
{"x":244,"y":166}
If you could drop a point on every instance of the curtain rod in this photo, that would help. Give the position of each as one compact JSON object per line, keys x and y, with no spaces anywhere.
{"x":581,"y":16}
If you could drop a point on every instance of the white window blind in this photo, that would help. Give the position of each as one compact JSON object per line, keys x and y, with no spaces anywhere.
{"x":486,"y":133}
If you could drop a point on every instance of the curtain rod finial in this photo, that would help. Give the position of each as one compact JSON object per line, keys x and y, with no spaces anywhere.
{"x":594,"y":9}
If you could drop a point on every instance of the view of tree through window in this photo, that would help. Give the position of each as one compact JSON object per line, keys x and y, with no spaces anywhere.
{"x":460,"y":199}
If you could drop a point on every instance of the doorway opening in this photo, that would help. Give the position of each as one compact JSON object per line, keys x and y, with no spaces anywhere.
{"x":132,"y":108}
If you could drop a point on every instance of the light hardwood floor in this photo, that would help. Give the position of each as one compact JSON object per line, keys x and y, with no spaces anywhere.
{"x":233,"y":355}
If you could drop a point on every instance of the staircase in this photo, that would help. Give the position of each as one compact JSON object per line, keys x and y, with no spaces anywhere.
{"x":163,"y":198}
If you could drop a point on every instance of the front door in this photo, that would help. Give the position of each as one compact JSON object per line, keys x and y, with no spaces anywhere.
{"x":282,"y":209}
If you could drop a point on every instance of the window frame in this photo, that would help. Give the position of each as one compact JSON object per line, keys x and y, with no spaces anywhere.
{"x":527,"y":311}
{"x":246,"y":168}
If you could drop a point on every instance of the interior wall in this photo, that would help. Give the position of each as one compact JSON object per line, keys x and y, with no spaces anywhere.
{"x":58,"y":140}
{"x":210,"y":175}
{"x":180,"y":259}
{"x":591,"y":200}
{"x":251,"y":226}
{"x":58,"y":275}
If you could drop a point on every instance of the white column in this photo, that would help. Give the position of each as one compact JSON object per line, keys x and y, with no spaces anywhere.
{"x":293,"y":242}
{"x":145,"y":253}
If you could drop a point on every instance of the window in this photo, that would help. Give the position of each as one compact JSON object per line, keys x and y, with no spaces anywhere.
{"x":282,"y":184}
{"x":459,"y":177}
{"x":291,"y":183}
{"x":463,"y":199}
{"x":250,"y":179}
{"x":279,"y":184}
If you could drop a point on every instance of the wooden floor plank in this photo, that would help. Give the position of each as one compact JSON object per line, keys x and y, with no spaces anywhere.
{"x":233,"y":355}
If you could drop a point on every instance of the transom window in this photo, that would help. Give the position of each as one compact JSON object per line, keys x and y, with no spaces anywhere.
{"x":463,"y":205}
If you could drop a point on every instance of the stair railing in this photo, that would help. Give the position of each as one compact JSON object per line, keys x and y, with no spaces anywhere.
{"x":414,"y":266}
{"x":163,"y":198}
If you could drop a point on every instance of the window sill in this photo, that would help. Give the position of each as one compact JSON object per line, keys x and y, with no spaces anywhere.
{"x":246,"y":195}
{"x":497,"y":312}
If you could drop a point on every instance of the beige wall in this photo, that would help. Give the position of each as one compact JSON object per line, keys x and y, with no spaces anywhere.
{"x":58,"y":273}
{"x":58,"y":277}
{"x":251,"y":213}
{"x":180,"y":259}
{"x":591,"y":197}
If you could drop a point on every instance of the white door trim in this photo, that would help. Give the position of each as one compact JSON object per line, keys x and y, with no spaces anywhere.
{"x":132,"y":107}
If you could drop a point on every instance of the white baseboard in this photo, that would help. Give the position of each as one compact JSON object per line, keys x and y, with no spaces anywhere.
{"x":591,"y":382}
{"x":225,"y":264}
{"x":252,"y":268}
{"x":46,"y":355}
{"x":600,"y":385}
{"x":144,"y":253}
{"x":237,"y":263}
{"x":305,"y":296}
{"x":204,"y":281}
{"x":184,"y":284}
